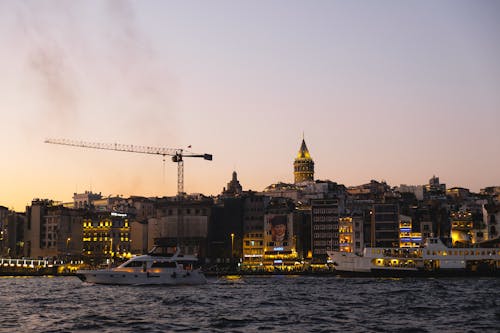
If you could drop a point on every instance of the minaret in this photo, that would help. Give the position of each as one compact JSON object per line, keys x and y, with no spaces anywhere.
{"x":303,"y":167}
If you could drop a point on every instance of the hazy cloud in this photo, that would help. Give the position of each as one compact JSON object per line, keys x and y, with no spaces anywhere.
{"x":57,"y":82}
{"x":48,"y":60}
{"x":94,"y":55}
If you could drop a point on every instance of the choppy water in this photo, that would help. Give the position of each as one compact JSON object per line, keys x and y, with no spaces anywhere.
{"x":250,"y":304}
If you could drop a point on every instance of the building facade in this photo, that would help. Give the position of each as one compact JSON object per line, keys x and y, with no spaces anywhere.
{"x":408,"y":238}
{"x":385,"y":225}
{"x":52,"y":230}
{"x":325,"y":228}
{"x":106,"y":237}
{"x":491,"y":218}
{"x":183,"y":221}
{"x":351,"y":234}
{"x":279,"y":238}
{"x":254,"y":208}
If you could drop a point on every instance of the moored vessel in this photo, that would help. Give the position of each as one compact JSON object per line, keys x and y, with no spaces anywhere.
{"x":154,"y":268}
{"x":433,"y":259}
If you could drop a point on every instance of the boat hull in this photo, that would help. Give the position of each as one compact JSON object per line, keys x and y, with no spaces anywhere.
{"x":433,"y":261}
{"x":390,"y":273}
{"x":142,"y":278}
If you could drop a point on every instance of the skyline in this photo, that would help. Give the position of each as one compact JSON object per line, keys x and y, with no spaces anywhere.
{"x":385,"y":91}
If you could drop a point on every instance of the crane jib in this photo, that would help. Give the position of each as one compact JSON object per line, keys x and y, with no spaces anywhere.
{"x":177,"y":154}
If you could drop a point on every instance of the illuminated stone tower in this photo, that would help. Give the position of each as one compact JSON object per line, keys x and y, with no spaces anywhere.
{"x":303,"y":167}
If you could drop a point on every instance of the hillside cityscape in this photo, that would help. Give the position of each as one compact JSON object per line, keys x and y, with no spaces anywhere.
{"x":287,"y":226}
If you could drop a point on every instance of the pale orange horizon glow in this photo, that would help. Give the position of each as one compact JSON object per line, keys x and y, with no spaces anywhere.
{"x":384,"y":91}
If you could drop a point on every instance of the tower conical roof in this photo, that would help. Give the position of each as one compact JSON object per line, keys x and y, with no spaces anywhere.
{"x":303,"y":151}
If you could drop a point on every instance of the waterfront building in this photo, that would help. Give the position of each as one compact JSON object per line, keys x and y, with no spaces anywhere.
{"x":351,"y":234}
{"x":408,"y":238}
{"x":426,"y":230}
{"x":4,"y":212}
{"x":345,"y":234}
{"x":491,"y":219}
{"x":139,"y":237}
{"x":183,"y":221}
{"x":52,"y":230}
{"x":254,"y":208}
{"x":225,"y":231}
{"x":13,"y":235}
{"x":106,"y":236}
{"x":279,"y":239}
{"x":358,"y":232}
{"x":303,"y":165}
{"x":325,"y":228}
{"x":302,"y":229}
{"x":144,"y":209}
{"x":385,"y":225}
{"x":461,"y":228}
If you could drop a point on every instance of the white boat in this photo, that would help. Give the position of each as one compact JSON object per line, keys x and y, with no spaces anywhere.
{"x":152,"y":268}
{"x":434,"y":258}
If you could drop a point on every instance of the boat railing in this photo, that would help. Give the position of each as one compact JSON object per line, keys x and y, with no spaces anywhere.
{"x":393,"y":252}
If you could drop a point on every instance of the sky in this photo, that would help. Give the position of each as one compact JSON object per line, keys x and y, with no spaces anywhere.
{"x":387,"y":90}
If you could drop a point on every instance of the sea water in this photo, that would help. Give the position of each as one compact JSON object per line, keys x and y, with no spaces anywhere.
{"x":251,"y":304}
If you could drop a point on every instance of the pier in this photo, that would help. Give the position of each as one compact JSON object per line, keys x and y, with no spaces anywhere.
{"x":27,"y":267}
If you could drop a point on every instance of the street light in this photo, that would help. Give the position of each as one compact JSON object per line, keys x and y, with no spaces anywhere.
{"x":232,"y":246}
{"x":67,"y":243}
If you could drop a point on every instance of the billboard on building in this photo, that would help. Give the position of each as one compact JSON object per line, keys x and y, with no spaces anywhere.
{"x":278,"y":232}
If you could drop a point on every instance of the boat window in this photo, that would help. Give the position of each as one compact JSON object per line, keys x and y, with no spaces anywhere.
{"x":135,"y":263}
{"x":170,"y":264}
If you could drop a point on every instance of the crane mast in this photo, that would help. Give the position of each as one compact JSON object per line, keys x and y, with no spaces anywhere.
{"x":177,"y":154}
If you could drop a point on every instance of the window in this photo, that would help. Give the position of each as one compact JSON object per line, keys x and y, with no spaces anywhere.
{"x":164,"y":264}
{"x":135,"y":264}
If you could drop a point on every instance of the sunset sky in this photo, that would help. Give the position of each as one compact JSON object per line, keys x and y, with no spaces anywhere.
{"x":386,"y":90}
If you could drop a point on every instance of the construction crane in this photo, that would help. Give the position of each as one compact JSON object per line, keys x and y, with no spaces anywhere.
{"x":177,"y":154}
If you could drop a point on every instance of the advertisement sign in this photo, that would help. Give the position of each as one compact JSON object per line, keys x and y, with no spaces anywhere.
{"x":278,"y":232}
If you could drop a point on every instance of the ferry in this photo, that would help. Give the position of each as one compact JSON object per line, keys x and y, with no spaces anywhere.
{"x":433,"y":259}
{"x":154,"y":268}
